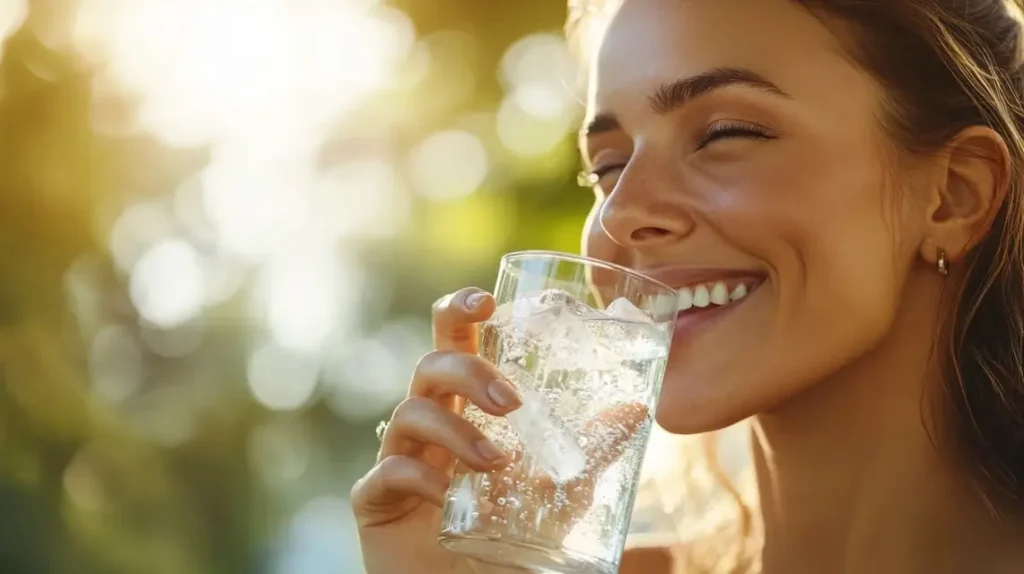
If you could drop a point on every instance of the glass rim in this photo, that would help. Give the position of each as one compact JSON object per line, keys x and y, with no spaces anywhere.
{"x":583,"y":259}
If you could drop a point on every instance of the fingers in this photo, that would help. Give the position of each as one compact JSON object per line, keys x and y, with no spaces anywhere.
{"x":418,"y":421}
{"x":455,"y":317}
{"x":396,"y":481}
{"x":610,"y":432}
{"x":443,"y":374}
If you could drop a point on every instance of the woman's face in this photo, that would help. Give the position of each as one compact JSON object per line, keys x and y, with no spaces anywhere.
{"x":741,"y":161}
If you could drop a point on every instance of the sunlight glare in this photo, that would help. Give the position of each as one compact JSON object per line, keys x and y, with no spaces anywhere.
{"x":255,"y":198}
{"x":209,"y":70}
{"x":12,"y":15}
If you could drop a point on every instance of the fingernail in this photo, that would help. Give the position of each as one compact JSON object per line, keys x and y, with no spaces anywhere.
{"x":475,"y":300}
{"x":489,"y":451}
{"x":504,"y":395}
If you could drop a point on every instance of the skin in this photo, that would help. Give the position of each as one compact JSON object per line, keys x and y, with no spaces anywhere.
{"x":801,"y":192}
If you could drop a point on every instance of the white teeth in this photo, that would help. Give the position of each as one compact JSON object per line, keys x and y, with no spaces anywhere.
{"x":739,"y":292}
{"x":719,"y":294}
{"x":701,"y":297}
{"x":685,"y":298}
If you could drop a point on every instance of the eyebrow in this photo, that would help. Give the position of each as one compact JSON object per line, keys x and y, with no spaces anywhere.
{"x":670,"y":97}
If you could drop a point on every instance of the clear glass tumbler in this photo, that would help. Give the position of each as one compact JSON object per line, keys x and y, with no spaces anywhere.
{"x":586,"y":344}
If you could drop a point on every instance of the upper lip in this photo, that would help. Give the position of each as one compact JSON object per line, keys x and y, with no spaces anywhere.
{"x":677,"y":277}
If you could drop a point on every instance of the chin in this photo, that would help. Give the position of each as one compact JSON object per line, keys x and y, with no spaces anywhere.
{"x":688,"y":406}
{"x":712,"y":398}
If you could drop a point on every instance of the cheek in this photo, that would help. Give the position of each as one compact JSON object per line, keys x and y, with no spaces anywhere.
{"x":833,"y":291}
{"x":824,"y":217}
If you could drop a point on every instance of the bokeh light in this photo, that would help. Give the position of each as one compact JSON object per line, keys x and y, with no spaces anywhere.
{"x":526,"y":134}
{"x":282,"y":379}
{"x":364,"y":198}
{"x":309,"y":291}
{"x":280,"y":451}
{"x":452,"y":79}
{"x":358,"y":393}
{"x":116,"y":363}
{"x":167,"y":283}
{"x":319,"y":538}
{"x":137,"y":230}
{"x":449,"y":165}
{"x":541,"y":103}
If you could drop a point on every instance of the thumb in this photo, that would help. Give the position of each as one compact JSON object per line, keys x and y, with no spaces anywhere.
{"x":455,"y":318}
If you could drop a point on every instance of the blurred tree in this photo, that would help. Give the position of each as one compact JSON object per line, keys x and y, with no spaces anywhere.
{"x":138,"y":509}
{"x":82,"y":489}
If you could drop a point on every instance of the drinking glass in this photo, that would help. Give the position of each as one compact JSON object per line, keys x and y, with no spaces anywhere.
{"x":585,"y":343}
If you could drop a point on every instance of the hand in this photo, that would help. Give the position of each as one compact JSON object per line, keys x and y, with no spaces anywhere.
{"x":398,"y":502}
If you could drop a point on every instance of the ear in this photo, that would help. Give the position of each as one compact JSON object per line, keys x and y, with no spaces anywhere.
{"x":971,"y":189}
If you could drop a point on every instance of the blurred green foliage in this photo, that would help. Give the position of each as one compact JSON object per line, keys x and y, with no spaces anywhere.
{"x":82,"y":490}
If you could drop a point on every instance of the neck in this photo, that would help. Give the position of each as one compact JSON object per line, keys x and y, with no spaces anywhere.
{"x":851,"y":482}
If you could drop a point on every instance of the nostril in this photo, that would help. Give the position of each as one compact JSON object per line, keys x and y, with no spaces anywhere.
{"x":649,"y":234}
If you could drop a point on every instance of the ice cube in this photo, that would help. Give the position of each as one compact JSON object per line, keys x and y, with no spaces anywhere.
{"x":623,"y":308}
{"x":543,"y":303}
{"x":550,"y":315}
{"x":554,"y":448}
{"x":557,"y":298}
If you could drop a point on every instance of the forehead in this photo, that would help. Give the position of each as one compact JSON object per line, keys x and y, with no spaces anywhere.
{"x":652,"y":42}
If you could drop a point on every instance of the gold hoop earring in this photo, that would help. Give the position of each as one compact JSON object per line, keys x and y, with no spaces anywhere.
{"x":943,"y":264}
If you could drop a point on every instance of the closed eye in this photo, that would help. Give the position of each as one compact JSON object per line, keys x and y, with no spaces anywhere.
{"x":717,"y":132}
{"x":727,"y":131}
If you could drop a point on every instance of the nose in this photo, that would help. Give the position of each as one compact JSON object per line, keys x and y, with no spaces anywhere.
{"x":645,"y":211}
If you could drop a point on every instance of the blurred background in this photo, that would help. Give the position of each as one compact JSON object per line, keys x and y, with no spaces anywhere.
{"x":222,"y":224}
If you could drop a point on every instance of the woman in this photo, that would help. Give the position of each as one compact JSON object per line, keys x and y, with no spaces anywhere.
{"x":857,"y":163}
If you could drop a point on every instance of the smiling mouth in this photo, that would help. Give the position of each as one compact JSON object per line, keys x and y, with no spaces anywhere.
{"x":714,"y":294}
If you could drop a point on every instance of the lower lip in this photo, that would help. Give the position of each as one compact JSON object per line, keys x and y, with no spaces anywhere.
{"x":690,"y":322}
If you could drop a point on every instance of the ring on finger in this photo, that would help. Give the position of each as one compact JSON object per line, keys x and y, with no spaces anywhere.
{"x":382,"y":427}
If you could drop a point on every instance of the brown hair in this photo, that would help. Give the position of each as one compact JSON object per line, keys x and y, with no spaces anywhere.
{"x":946,"y":65}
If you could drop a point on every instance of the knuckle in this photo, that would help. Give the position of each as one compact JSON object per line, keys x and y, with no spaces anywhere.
{"x":356,"y":492}
{"x":408,"y":409}
{"x":479,"y":368}
{"x":433,"y":362}
{"x":396,"y":469}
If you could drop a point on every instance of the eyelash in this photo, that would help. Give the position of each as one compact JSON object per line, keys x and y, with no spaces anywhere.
{"x":732,"y":131}
{"x":713,"y":134}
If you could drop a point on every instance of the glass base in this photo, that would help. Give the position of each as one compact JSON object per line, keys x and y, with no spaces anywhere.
{"x":528,"y":557}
